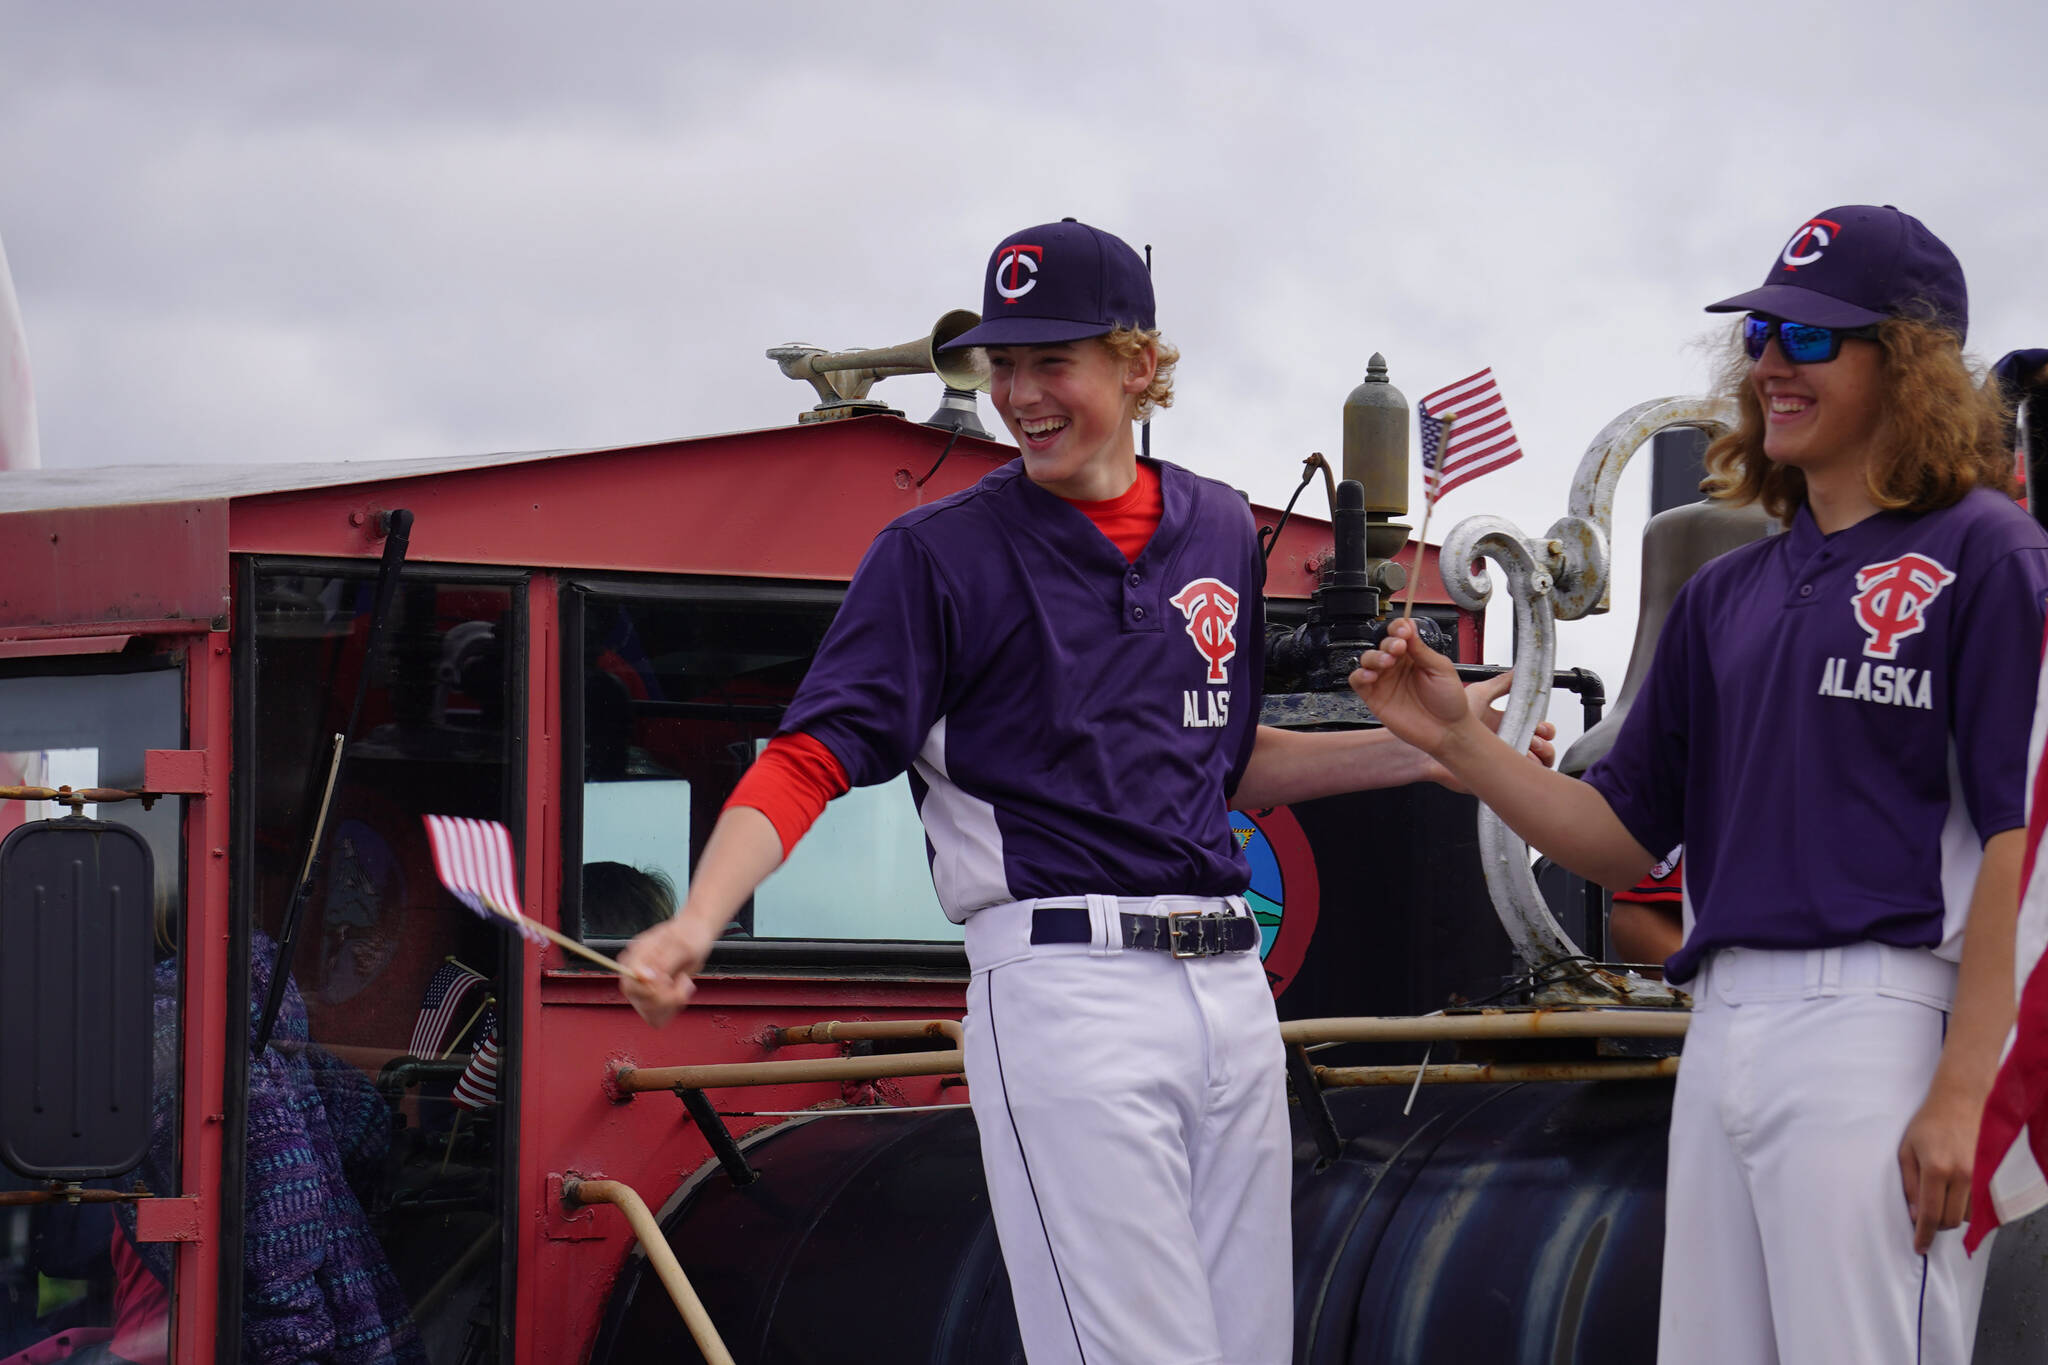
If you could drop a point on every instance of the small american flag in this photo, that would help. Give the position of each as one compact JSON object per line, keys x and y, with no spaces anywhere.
{"x":442,"y":1008}
{"x":478,"y":1088}
{"x":1482,"y":438}
{"x":473,"y":859}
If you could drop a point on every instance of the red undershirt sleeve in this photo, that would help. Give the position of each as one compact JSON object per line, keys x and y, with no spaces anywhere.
{"x":796,"y":775}
{"x":790,"y":783}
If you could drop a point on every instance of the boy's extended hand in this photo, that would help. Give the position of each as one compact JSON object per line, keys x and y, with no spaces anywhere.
{"x":1414,"y":690}
{"x":672,"y":953}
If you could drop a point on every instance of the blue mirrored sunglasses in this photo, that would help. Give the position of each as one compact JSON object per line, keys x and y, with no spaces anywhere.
{"x":1802,"y":343}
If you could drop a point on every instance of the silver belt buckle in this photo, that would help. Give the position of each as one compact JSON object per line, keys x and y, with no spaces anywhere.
{"x":1178,"y":933}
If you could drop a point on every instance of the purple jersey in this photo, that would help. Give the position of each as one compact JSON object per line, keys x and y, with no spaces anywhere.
{"x":1073,"y":721}
{"x":1833,"y":725}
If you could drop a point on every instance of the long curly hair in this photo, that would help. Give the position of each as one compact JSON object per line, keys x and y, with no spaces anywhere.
{"x":1941,"y":433}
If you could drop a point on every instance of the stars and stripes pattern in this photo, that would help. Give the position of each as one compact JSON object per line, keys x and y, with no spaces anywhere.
{"x":478,"y":1088}
{"x":445,"y":1008}
{"x":2006,"y":1180}
{"x":1481,"y":441}
{"x":473,"y":859}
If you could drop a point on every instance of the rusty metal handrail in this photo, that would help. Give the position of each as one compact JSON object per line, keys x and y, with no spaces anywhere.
{"x":861,"y":1030}
{"x":1489,"y":1024}
{"x":655,"y":1246}
{"x":642,"y":1080}
{"x":1442,"y":1028}
{"x":1477,"y":1073}
{"x":639,"y":1080}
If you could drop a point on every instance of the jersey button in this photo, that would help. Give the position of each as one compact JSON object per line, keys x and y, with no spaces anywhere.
{"x":1136,"y":578}
{"x":1137,"y":613}
{"x":1806,"y":589}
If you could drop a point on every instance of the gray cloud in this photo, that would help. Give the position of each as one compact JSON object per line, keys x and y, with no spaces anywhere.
{"x":262,"y":232}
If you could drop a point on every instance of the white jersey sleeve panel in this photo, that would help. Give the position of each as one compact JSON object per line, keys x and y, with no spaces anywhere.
{"x":1962,"y":854}
{"x":967,"y":845}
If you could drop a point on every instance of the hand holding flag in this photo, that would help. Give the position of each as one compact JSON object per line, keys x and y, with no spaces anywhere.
{"x":473,"y":859}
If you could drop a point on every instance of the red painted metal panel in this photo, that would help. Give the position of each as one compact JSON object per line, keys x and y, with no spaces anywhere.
{"x":207,"y":923}
{"x":168,"y":1220}
{"x":106,"y":566}
{"x":801,"y":502}
{"x":175,"y":772}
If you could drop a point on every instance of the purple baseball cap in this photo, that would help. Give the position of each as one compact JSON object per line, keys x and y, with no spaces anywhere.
{"x":1060,"y":282}
{"x":1857,"y":265}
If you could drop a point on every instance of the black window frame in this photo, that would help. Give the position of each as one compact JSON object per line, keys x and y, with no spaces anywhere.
{"x":920,"y":959}
{"x":508,"y":969}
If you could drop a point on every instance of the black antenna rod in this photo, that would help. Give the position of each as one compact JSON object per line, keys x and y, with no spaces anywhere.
{"x":397,"y":537}
{"x":1146,"y":435}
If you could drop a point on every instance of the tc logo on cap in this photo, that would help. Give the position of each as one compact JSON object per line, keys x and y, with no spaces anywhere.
{"x":1014,"y":259}
{"x":1894,"y":600}
{"x":1815,"y":233}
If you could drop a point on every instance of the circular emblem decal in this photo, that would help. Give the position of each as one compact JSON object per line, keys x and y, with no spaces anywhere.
{"x":1284,"y":895}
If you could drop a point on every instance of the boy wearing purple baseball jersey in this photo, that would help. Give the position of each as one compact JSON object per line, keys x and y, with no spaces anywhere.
{"x":1835,"y":726}
{"x":1066,"y":658}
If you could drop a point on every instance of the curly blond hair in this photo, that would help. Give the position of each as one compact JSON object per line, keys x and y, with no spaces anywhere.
{"x":1941,"y":433}
{"x":1126,"y":343}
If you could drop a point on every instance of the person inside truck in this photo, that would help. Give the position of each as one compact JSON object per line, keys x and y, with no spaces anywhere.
{"x":1835,"y":727}
{"x":316,"y":1282}
{"x":1067,"y":658}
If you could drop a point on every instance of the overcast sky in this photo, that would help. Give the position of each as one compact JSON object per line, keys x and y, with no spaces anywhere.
{"x":295,"y":232}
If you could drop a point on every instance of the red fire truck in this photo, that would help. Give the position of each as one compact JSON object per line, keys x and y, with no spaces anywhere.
{"x":227,"y":698}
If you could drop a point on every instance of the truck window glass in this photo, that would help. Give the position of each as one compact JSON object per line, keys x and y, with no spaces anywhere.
{"x":390,"y":1035}
{"x":680,"y":694}
{"x":77,"y":1269}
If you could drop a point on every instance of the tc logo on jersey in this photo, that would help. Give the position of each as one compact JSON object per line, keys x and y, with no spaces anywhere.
{"x":1808,"y":244}
{"x":1011,"y":284}
{"x":1892,"y":600}
{"x":1211,"y":609}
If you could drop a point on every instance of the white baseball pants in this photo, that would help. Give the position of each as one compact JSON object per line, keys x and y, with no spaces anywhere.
{"x":1133,"y":1118}
{"x":1787,"y":1240}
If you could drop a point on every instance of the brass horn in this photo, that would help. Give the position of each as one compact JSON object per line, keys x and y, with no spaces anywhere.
{"x":843,"y":378}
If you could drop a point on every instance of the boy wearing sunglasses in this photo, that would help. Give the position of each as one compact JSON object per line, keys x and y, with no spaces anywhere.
{"x":1835,"y":725}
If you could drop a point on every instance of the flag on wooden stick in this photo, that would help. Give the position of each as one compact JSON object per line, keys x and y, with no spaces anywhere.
{"x":478,"y":1086}
{"x":473,"y":859}
{"x":443,"y":1017}
{"x":1480,"y":437}
{"x":2007,"y":1178}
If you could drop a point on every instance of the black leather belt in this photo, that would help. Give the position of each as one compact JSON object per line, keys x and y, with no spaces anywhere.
{"x":1189,"y":934}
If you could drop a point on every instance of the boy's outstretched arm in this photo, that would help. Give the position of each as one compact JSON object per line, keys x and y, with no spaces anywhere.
{"x":1415,"y":691}
{"x":744,"y":848}
{"x":1288,"y":765}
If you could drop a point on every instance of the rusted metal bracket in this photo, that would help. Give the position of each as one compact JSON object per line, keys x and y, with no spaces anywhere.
{"x":563,"y":1219}
{"x":1308,"y":1093}
{"x":158,"y":1218}
{"x":719,"y":1136}
{"x":165,"y":772}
